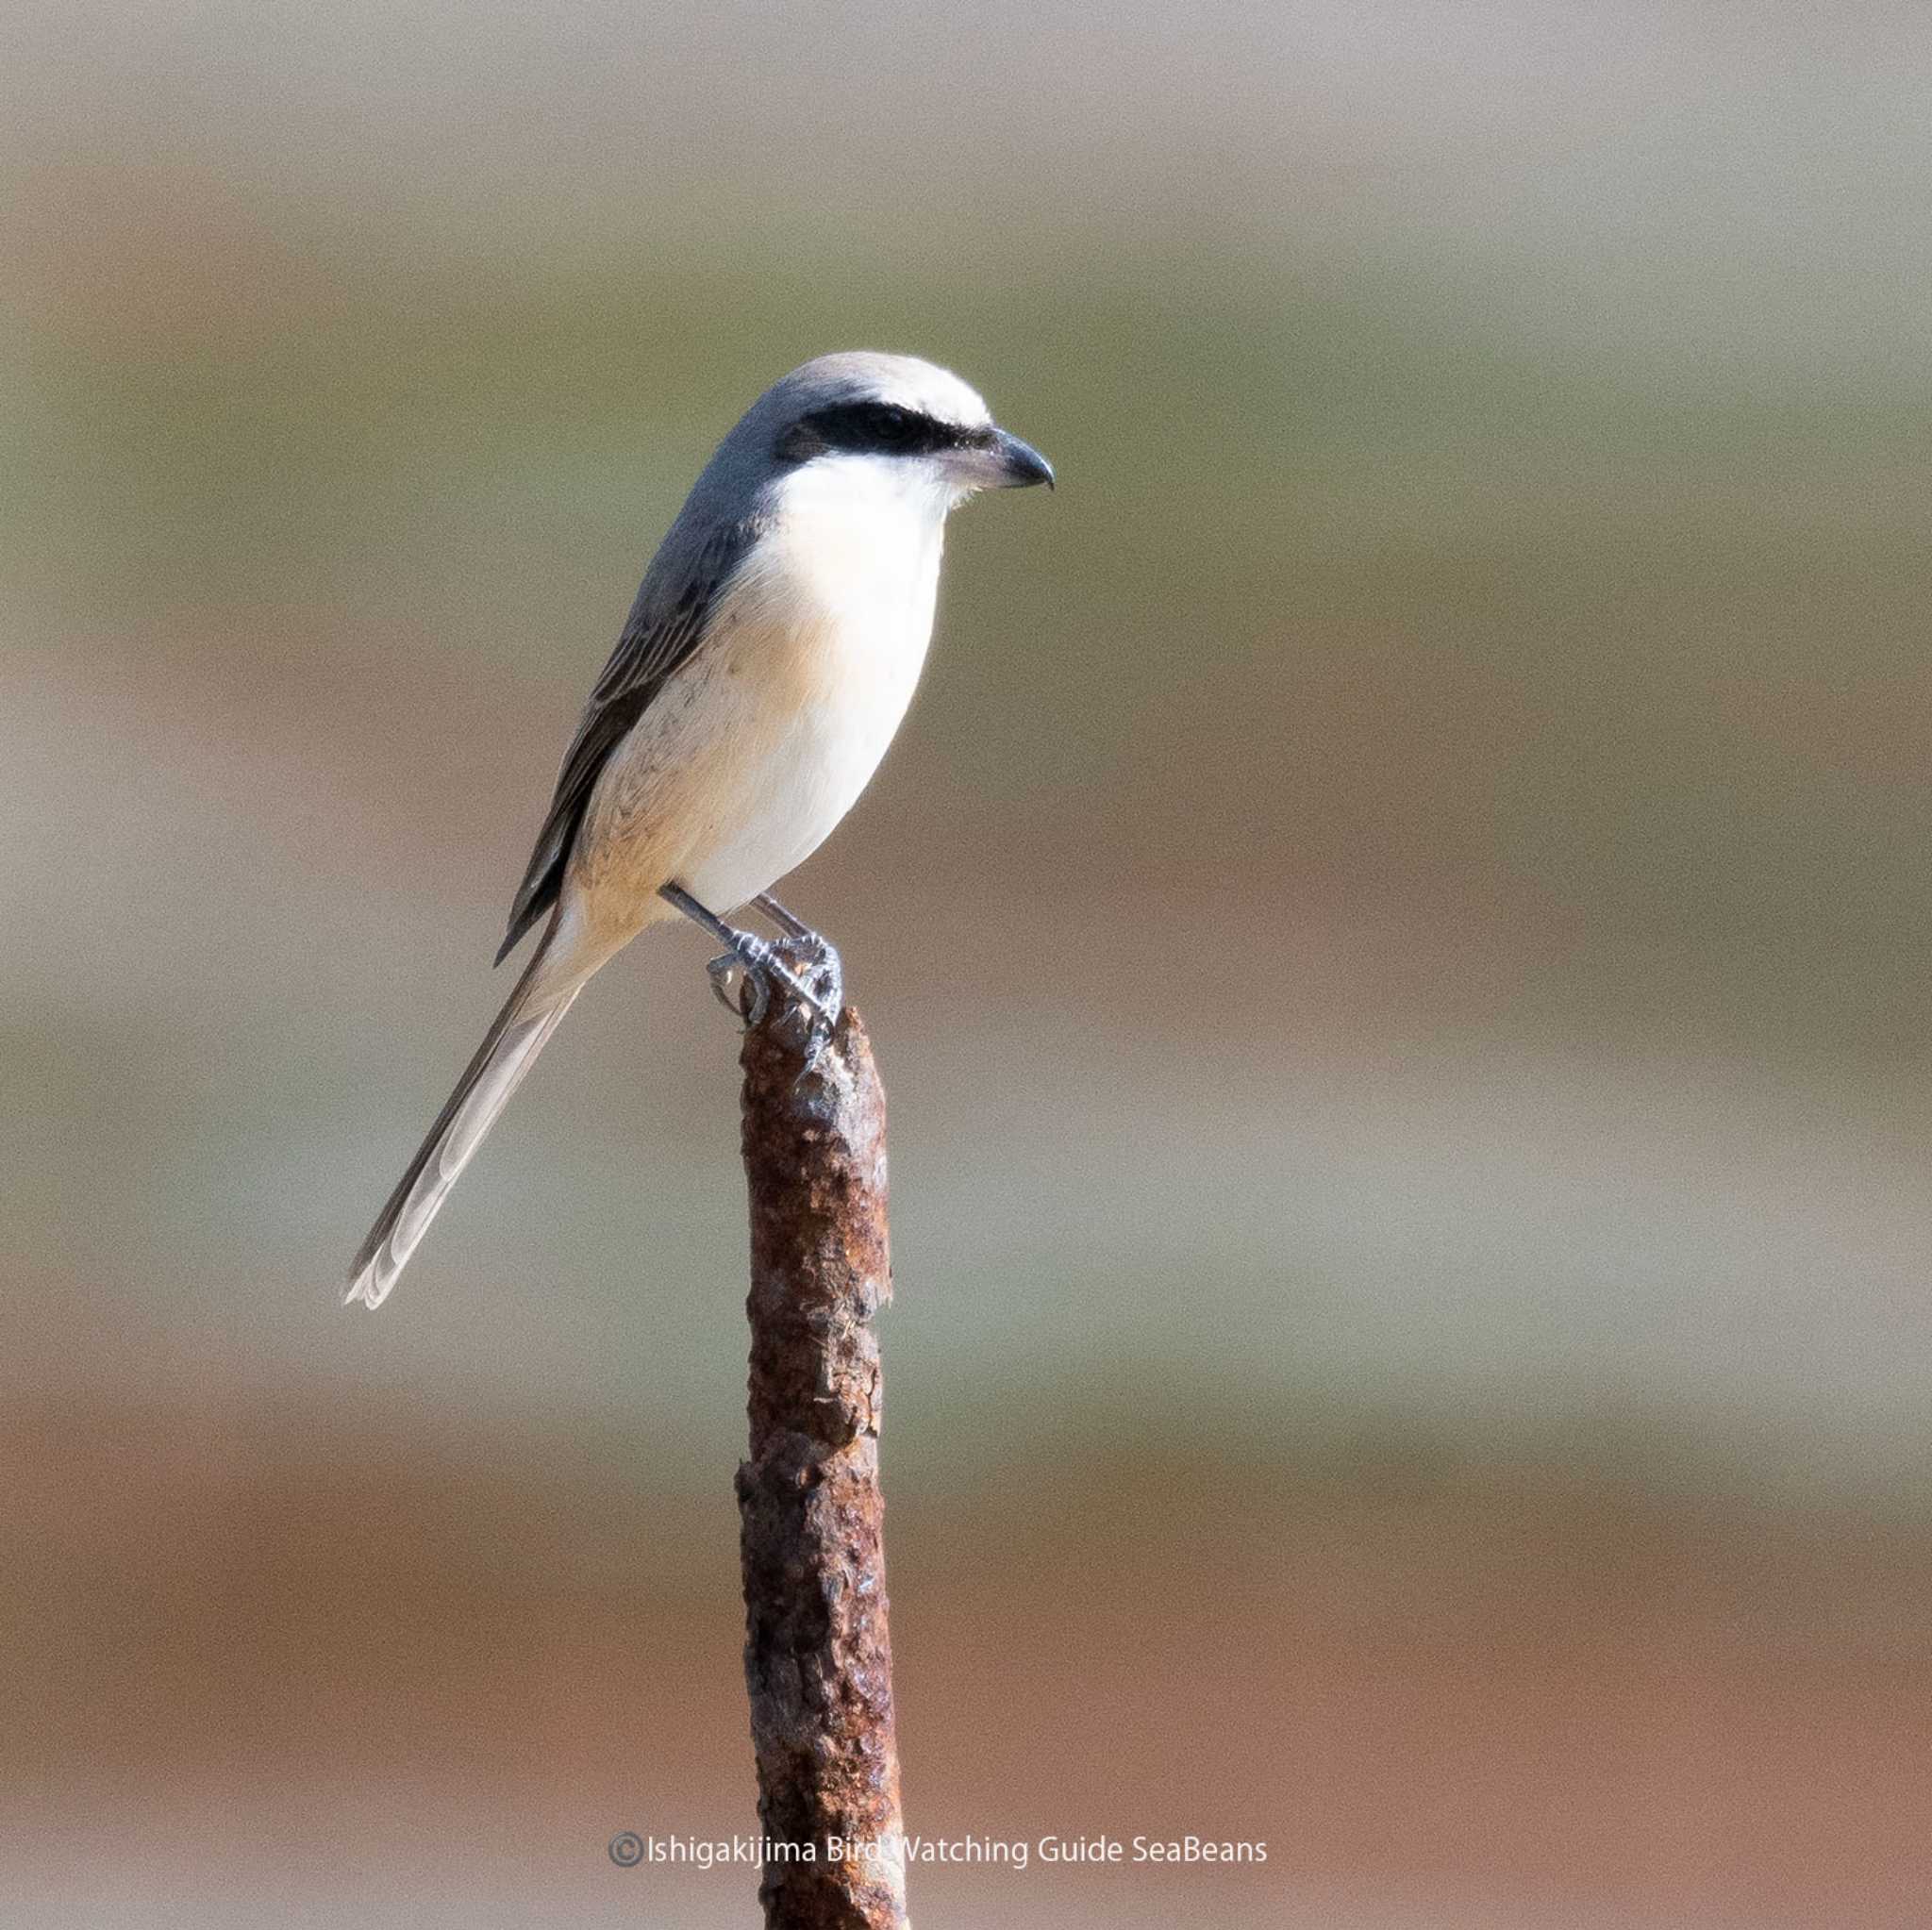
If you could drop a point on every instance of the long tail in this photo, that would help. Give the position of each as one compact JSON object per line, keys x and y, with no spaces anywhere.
{"x":533,"y":1011}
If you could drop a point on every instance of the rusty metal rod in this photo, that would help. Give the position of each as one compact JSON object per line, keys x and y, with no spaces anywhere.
{"x":817,"y":1652}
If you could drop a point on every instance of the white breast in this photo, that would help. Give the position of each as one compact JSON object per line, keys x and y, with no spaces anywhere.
{"x":828,"y":633}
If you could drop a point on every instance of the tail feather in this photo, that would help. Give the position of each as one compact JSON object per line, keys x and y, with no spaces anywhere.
{"x":508,"y":1052}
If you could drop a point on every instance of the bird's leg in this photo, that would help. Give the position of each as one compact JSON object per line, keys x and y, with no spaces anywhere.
{"x":818,"y":953}
{"x":758,"y":960}
{"x":788,"y":922}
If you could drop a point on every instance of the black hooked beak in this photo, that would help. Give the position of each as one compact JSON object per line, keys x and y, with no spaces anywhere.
{"x":1021,"y":465}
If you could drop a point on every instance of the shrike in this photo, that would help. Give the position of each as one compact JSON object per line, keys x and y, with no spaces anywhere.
{"x":767,"y":659}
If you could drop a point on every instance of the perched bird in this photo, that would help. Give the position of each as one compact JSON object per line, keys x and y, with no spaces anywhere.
{"x":767,"y":659}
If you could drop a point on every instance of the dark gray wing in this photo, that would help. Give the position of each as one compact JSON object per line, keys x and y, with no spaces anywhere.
{"x":666,"y":625}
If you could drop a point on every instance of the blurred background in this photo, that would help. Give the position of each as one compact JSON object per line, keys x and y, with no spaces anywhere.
{"x":1395,"y":935}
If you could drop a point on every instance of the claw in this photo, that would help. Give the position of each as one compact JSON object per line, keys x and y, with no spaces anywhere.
{"x":817,"y":1043}
{"x":818,"y":964}
{"x":732,"y":978}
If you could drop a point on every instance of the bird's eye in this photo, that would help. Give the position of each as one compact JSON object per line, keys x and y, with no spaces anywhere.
{"x":877,"y":428}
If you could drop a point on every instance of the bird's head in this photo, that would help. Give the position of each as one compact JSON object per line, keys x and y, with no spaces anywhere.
{"x":914,"y":427}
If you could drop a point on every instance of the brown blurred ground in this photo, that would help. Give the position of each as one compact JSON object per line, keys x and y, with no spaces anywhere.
{"x":1472,"y":1694}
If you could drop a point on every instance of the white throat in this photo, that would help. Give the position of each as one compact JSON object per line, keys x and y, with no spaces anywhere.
{"x":857,"y":540}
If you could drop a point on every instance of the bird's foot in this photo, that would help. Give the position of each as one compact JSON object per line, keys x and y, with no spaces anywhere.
{"x":745,"y":977}
{"x":815,"y":960}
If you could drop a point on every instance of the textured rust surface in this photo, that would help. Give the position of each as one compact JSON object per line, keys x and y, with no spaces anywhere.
{"x":818,"y":1656}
